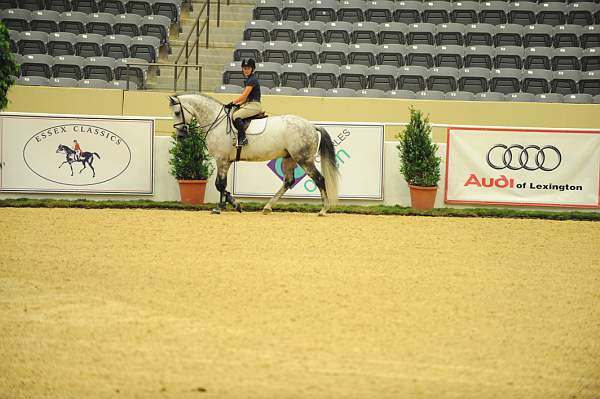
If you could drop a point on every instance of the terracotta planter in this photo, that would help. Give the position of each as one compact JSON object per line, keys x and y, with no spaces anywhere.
{"x":192,"y":191}
{"x":422,"y":198}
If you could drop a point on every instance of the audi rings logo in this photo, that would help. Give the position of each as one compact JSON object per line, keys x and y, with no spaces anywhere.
{"x":531,"y":157}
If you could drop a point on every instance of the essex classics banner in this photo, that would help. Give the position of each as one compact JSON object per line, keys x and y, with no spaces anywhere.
{"x":523,"y":167}
{"x":359,"y":155}
{"x":94,"y":155}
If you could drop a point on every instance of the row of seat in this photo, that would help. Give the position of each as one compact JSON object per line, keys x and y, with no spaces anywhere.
{"x":438,"y":11}
{"x":423,"y":33}
{"x":416,"y":78}
{"x":71,"y":82}
{"x":421,"y":95}
{"x":563,"y":58}
{"x":86,"y":45}
{"x":68,"y":66}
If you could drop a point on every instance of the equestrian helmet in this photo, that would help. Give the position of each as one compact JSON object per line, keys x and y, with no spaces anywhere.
{"x":248,"y":62}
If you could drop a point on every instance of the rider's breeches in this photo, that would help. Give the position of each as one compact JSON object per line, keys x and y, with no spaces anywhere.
{"x":247,"y":110}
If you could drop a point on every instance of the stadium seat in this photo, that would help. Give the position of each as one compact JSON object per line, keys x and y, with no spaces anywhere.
{"x":351,"y":11}
{"x":581,"y":13}
{"x":577,"y":99}
{"x":92,"y":83}
{"x":59,"y":6}
{"x":506,"y":80}
{"x":268,"y":73}
{"x":522,"y":12}
{"x":334,"y":53}
{"x":391,"y":54}
{"x":340,"y":92}
{"x":436,"y":12}
{"x":589,"y":83}
{"x":489,"y":96}
{"x":337,"y":32}
{"x":479,"y":34}
{"x":157,"y":26}
{"x":465,"y":12}
{"x":473,"y":80}
{"x":89,"y":45}
{"x":116,"y":46}
{"x":323,"y":10}
{"x":31,"y":5}
{"x":508,"y":57}
{"x":114,"y":7}
{"x":459,"y":96}
{"x":549,"y":98}
{"x":537,"y":36}
{"x":430,"y":95}
{"x":420,"y":54}
{"x":421,"y":33}
{"x":538,"y":58}
{"x":364,"y":54}
{"x":68,"y":66}
{"x":145,"y":47}
{"x":312,"y":92}
{"x":393,"y":33}
{"x":37,"y":65}
{"x":232,"y":74}
{"x":493,"y":12}
{"x":379,"y":11}
{"x":412,"y":78}
{"x":382,"y":77}
{"x":44,"y":21}
{"x":284,"y":91}
{"x":269,"y":10}
{"x":305,"y":52}
{"x":552,"y":14}
{"x":295,"y":10}
{"x":277,"y":52}
{"x":311,"y":31}
{"x":479,"y":57}
{"x":449,"y":56}
{"x":324,"y":76}
{"x":295,"y":75}
{"x":520,"y":97}
{"x":85,"y":6}
{"x":143,"y":8}
{"x":127,"y":24}
{"x":248,"y":49}
{"x":258,"y":30}
{"x":590,"y":36}
{"x":404,"y":94}
{"x":565,"y":82}
{"x":62,"y":82}
{"x":282,"y":31}
{"x":16,"y":19}
{"x":590,"y":59}
{"x":536,"y":81}
{"x":100,"y":23}
{"x":566,"y":58}
{"x":508,"y":35}
{"x":364,"y":32}
{"x":168,"y":8}
{"x":132,"y":69}
{"x":72,"y":22}
{"x":567,"y":36}
{"x":32,"y":42}
{"x":32,"y":81}
{"x":408,"y":11}
{"x":14,"y":37}
{"x":353,"y":76}
{"x":99,"y":68}
{"x":443,"y":79}
{"x":450,"y":34}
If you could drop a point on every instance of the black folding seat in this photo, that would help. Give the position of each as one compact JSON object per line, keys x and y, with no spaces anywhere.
{"x":233,"y":75}
{"x":324,"y":76}
{"x":258,"y":30}
{"x":522,"y":12}
{"x":393,"y":33}
{"x":85,"y":6}
{"x":493,"y":12}
{"x":248,"y":49}
{"x":31,"y":5}
{"x":508,"y":35}
{"x":33,"y":42}
{"x":323,"y":10}
{"x":112,"y":6}
{"x":536,"y":81}
{"x":364,"y":32}
{"x":169,"y":8}
{"x":337,"y":32}
{"x":58,"y":5}
{"x":421,"y":33}
{"x":16,"y":19}
{"x":68,"y":66}
{"x":566,"y":58}
{"x":311,"y":31}
{"x":116,"y":46}
{"x":508,"y":57}
{"x":436,"y":12}
{"x":269,"y":10}
{"x":334,"y":53}
{"x":567,"y":36}
{"x":412,"y":78}
{"x":538,"y":58}
{"x":442,"y":79}
{"x":89,"y":45}
{"x":581,"y":13}
{"x":353,"y":76}
{"x":295,"y":10}
{"x":391,"y":54}
{"x":6,"y":4}
{"x":590,"y":36}
{"x":420,"y":54}
{"x":379,"y":11}
{"x":295,"y":75}
{"x":145,"y":48}
{"x":283,"y":31}
{"x":479,"y":56}
{"x":277,"y":52}
{"x":382,"y":77}
{"x":351,"y":11}
{"x":449,"y":56}
{"x":133,"y":70}
{"x":565,"y":82}
{"x":479,"y":34}
{"x":72,"y":22}
{"x":590,"y":59}
{"x":408,"y":11}
{"x":465,"y":12}
{"x":99,"y":68}
{"x":37,"y":65}
{"x":505,"y":80}
{"x":589,"y":83}
{"x":537,"y":36}
{"x":552,"y":14}
{"x":127,"y":24}
{"x":100,"y":23}
{"x":450,"y":34}
{"x":144,"y":8}
{"x":157,"y":26}
{"x":473,"y":80}
{"x":363,"y":54}
{"x":305,"y":52}
{"x":268,"y":73}
{"x":44,"y":21}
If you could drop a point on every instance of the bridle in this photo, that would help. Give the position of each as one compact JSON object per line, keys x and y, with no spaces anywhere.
{"x":210,"y":125}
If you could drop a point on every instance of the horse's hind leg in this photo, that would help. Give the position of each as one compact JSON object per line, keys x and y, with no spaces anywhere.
{"x":288,"y":165}
{"x":313,"y":172}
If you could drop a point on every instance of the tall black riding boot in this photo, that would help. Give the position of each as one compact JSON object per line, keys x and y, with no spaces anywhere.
{"x":239,"y":125}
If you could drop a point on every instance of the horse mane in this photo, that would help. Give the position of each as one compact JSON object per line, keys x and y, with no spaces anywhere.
{"x":192,"y":95}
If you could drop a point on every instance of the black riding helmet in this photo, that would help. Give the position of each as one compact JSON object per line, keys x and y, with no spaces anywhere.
{"x":249,"y":62}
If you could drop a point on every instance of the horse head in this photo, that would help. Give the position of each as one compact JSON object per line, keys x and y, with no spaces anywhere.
{"x":189,"y":106}
{"x":61,"y":148}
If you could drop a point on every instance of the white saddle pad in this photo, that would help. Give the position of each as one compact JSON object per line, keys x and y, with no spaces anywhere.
{"x":257,"y":126}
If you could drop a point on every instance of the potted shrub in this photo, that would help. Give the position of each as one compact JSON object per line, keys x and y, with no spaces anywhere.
{"x":419,"y":163}
{"x":191,"y":164}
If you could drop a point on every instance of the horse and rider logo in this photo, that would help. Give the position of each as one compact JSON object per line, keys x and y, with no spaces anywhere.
{"x":75,"y":154}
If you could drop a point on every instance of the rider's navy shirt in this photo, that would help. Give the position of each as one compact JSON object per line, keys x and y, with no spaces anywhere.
{"x":255,"y":93}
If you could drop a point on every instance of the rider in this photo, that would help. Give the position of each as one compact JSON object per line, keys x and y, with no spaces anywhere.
{"x":248,"y":102}
{"x":77,"y":149}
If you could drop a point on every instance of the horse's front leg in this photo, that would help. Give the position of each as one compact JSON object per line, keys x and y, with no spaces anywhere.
{"x":221,"y":185}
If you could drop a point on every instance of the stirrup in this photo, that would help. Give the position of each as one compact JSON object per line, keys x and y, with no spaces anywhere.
{"x":243,"y":142}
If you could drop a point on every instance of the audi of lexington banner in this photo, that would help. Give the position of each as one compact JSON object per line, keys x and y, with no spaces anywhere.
{"x":359,"y":154}
{"x":523,"y":167}
{"x":94,"y":155}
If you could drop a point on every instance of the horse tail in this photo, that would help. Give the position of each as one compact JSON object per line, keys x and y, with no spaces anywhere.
{"x":96,"y":154}
{"x":329,"y":166}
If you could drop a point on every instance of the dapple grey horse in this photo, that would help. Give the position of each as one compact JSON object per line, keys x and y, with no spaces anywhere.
{"x":290,"y":137}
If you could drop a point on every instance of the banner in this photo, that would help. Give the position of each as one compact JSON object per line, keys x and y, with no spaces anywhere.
{"x":75,"y":154}
{"x":359,"y":154}
{"x":523,"y":167}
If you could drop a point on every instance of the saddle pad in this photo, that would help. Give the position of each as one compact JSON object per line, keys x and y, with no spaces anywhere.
{"x":257,"y":126}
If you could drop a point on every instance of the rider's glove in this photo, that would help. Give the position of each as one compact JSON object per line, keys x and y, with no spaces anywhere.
{"x":229,"y":106}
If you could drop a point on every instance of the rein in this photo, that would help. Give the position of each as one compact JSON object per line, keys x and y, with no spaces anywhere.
{"x":211,"y":125}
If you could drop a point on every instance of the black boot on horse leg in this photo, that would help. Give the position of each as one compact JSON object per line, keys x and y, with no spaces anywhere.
{"x":241,"y":128}
{"x":221,"y":185}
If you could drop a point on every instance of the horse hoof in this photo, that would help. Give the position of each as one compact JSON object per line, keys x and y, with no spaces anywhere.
{"x":267,"y":211}
{"x":216,"y":211}
{"x":321,"y":213}
{"x":238,"y":207}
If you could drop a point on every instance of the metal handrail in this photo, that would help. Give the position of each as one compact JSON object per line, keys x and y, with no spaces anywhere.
{"x":172,"y":65}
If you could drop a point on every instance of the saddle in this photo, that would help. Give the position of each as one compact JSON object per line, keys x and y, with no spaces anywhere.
{"x":255,"y":124}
